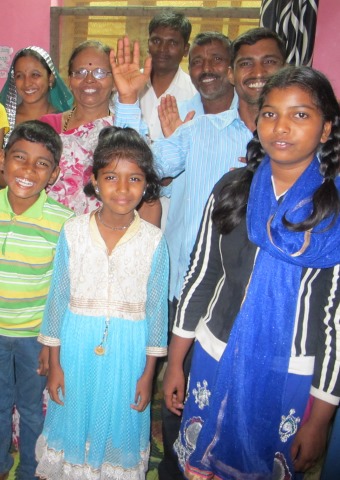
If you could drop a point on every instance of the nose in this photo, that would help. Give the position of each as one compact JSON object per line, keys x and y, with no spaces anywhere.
{"x":206,"y":65}
{"x":27,"y":80}
{"x":89,"y":77}
{"x":163,"y":46}
{"x":123,"y":185}
{"x":281,"y":125}
{"x":259,"y":69}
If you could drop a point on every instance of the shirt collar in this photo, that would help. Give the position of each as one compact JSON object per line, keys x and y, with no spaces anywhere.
{"x":34,"y":211}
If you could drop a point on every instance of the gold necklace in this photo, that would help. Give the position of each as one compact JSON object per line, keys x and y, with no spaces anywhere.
{"x":67,"y":121}
{"x":109,"y":226}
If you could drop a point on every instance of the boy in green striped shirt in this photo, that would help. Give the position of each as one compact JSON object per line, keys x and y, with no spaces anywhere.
{"x":30,"y":223}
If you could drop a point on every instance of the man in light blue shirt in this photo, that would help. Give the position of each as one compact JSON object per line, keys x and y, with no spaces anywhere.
{"x":209,"y":60}
{"x":210,"y":145}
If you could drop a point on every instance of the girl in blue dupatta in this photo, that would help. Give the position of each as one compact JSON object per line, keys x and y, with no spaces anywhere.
{"x":266,"y":409}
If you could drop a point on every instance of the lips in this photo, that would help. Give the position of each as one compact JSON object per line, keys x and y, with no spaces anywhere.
{"x":281,"y":144}
{"x":89,"y":91}
{"x":24,"y":182}
{"x":206,"y":79}
{"x":30,"y":92}
{"x":256,"y":84}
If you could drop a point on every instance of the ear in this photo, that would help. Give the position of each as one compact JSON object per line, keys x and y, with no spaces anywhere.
{"x":327,"y":128}
{"x":2,"y":159}
{"x":186,"y":50}
{"x":93,"y":181}
{"x":54,"y":176}
{"x":230,"y":75}
{"x":51,"y":80}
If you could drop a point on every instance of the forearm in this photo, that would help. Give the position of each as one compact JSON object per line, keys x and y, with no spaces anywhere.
{"x":321,"y":413}
{"x":178,"y":350}
{"x":150,"y":367}
{"x":54,"y":357}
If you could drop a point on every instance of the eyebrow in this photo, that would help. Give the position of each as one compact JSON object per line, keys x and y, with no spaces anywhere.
{"x":310,"y":107}
{"x":271,"y":55}
{"x":42,"y":157}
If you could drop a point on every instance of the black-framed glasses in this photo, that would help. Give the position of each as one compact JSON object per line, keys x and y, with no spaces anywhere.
{"x":97,"y":73}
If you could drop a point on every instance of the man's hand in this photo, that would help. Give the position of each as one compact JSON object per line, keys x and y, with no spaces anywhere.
{"x":169,"y":115}
{"x":128,"y":78}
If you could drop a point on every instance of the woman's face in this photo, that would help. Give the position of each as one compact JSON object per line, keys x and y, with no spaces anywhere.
{"x":89,"y":91}
{"x":32,"y":80}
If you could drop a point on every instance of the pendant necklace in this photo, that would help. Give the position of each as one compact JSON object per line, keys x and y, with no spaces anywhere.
{"x":109,"y":226}
{"x":100,"y":349}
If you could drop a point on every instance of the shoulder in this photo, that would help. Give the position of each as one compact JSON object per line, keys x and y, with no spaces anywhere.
{"x":227,"y":179}
{"x":78,"y":223}
{"x":54,"y":120}
{"x":184,"y":80}
{"x":56,"y":209}
{"x":151,"y":233}
{"x":52,"y":205}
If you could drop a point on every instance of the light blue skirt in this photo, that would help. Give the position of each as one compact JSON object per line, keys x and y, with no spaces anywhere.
{"x":96,"y":434}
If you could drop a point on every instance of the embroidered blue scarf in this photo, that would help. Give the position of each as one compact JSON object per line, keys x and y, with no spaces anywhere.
{"x":245,"y":412}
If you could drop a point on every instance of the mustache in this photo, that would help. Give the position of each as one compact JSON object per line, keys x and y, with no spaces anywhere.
{"x":208,"y":75}
{"x":256,"y":79}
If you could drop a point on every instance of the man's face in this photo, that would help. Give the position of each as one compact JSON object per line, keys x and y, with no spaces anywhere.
{"x":253,"y":65}
{"x":208,"y":68}
{"x":167,"y":48}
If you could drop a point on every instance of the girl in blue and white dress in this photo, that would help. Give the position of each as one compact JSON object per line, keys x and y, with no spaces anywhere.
{"x":106,"y":323}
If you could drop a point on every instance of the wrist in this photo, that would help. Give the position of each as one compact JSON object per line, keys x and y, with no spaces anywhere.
{"x":127,"y":99}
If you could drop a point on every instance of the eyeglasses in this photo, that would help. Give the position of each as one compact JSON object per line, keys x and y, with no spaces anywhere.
{"x":97,"y":73}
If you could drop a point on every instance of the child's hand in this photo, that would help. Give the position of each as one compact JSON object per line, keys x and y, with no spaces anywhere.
{"x":127,"y":76}
{"x":55,"y":383}
{"x":169,"y":115}
{"x":143,"y":393}
{"x":308,"y":446}
{"x":43,"y":361}
{"x":174,"y":389}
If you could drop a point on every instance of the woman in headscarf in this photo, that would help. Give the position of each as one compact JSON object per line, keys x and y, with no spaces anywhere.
{"x":33,"y":87}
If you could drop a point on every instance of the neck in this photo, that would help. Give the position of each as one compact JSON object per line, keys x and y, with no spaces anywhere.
{"x":284,"y":177}
{"x":161,"y":81}
{"x":248,"y":113}
{"x":84,"y":115}
{"x":218,"y":105}
{"x":34,"y":111}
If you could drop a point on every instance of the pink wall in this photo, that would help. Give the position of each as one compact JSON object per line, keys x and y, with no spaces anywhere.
{"x":327,"y":42}
{"x":23,"y":23}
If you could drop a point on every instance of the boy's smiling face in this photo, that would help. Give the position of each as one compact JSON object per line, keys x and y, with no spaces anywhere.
{"x":28,"y":168}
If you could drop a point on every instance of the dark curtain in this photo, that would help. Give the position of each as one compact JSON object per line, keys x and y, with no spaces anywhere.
{"x":295,"y":22}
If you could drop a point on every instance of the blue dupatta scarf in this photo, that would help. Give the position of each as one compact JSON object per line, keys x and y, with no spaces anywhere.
{"x":238,"y":439}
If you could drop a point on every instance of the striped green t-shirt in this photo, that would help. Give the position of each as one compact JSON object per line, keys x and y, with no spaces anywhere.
{"x":27,"y":248}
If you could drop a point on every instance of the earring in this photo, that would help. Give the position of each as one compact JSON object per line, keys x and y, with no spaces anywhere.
{"x":96,"y":189}
{"x":144,"y":192}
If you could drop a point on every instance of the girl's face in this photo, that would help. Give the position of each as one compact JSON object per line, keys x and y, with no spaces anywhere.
{"x":90,"y":91}
{"x":291,"y":127}
{"x":121,"y":186}
{"x":32,"y":80}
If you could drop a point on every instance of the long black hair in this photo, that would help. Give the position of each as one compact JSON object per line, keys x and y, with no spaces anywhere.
{"x":231,"y":206}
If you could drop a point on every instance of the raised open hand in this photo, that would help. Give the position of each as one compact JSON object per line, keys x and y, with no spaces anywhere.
{"x":129,"y":79}
{"x":169,"y":115}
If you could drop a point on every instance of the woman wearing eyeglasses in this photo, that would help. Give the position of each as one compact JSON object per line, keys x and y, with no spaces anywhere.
{"x":91,"y":82}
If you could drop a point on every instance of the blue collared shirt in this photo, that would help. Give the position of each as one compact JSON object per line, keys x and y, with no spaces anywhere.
{"x":205,"y":148}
